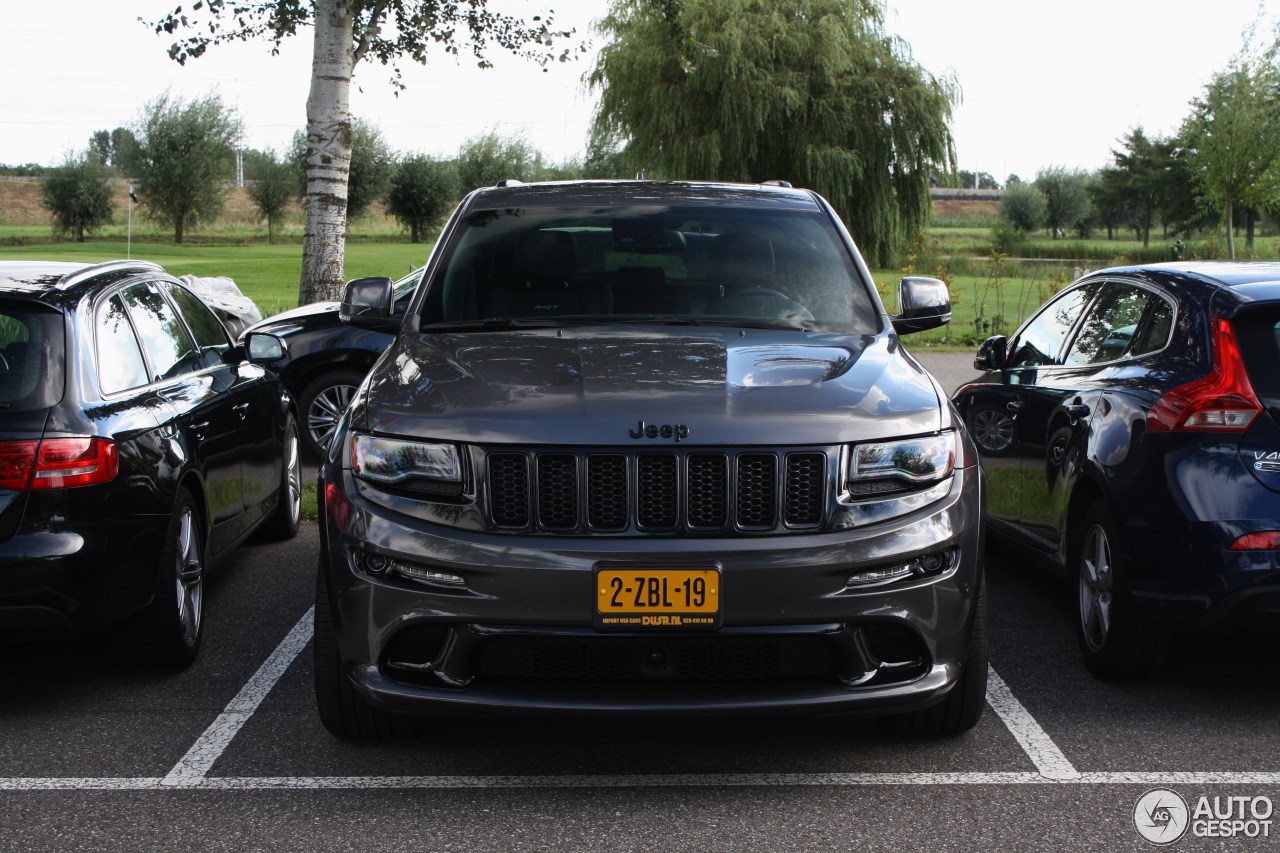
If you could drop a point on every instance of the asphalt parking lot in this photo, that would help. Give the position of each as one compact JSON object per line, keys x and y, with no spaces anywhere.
{"x":229,"y":754}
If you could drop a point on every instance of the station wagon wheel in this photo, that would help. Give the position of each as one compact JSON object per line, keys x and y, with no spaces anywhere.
{"x":169,"y":630}
{"x":1118,"y":638}
{"x":992,"y":430}
{"x":284,"y":522}
{"x":322,"y":404}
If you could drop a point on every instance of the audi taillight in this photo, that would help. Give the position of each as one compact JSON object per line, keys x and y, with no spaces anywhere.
{"x":1223,"y":401}
{"x":56,"y":463}
{"x":1262,"y":540}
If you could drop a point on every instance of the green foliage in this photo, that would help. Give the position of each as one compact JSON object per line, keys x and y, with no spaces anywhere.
{"x":1233,"y":137}
{"x":1024,"y":207}
{"x":185,"y":153}
{"x":812,"y":91}
{"x":270,"y":184}
{"x":488,"y":158}
{"x":422,"y":191}
{"x":386,"y":31}
{"x":78,"y":194}
{"x":1066,"y":195}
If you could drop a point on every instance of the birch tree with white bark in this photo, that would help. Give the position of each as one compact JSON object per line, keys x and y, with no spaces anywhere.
{"x":346,"y":33}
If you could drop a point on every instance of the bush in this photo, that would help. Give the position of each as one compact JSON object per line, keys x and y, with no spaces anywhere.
{"x":1024,"y":207}
{"x":78,"y":194}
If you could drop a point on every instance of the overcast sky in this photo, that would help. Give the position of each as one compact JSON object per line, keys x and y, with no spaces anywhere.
{"x":1043,"y":83}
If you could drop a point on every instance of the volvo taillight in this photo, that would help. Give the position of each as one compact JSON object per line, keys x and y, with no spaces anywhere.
{"x":1223,"y":401}
{"x":56,"y":463}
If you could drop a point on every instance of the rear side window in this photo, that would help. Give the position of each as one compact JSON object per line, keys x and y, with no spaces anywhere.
{"x":120,"y":364}
{"x":33,"y":362}
{"x":163,"y":338}
{"x":1113,"y":321}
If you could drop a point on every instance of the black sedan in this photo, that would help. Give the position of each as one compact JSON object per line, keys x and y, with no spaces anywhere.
{"x":326,"y":359}
{"x":1130,"y":431}
{"x":137,"y":447}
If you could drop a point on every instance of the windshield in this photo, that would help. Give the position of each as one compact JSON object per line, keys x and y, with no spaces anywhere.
{"x":744,"y":266}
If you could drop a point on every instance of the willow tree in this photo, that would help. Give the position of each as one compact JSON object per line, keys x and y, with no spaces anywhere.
{"x":816,"y":92}
{"x":348,"y":32}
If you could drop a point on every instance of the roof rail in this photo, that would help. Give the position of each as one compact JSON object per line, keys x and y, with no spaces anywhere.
{"x":510,"y":182}
{"x":72,"y":279}
{"x":786,"y":185}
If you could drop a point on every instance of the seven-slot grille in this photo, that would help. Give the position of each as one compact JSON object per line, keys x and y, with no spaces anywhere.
{"x":657,"y":491}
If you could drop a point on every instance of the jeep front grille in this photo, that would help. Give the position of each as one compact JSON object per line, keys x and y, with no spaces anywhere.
{"x":657,"y":491}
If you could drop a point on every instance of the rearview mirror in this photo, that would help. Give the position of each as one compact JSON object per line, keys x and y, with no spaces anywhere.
{"x":923,"y":303}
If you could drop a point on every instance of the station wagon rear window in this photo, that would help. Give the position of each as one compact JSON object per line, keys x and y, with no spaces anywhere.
{"x":32,"y":357}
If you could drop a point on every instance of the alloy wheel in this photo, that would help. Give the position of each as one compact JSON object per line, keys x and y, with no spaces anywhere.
{"x":325,"y":410}
{"x":1096,"y":587}
{"x":189,"y":577}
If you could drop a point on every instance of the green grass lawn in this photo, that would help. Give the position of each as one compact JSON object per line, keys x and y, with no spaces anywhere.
{"x":267,"y":274}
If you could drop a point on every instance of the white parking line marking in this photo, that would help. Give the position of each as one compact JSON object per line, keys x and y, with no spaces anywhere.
{"x":1035,"y":742}
{"x":191,"y":772}
{"x":193,"y":767}
{"x":775,"y":780}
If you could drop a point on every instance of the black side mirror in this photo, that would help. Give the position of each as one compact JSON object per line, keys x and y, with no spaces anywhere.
{"x":923,"y":303}
{"x":992,"y":353}
{"x":264,"y":347}
{"x":368,"y":303}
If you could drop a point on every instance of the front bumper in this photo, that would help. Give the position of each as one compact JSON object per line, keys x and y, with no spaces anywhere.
{"x":781,"y":595}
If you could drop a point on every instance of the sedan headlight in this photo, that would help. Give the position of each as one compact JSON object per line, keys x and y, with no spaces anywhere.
{"x":413,"y":465}
{"x":889,"y":467}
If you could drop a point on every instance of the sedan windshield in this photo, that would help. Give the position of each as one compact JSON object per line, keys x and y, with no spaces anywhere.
{"x":697,"y":265}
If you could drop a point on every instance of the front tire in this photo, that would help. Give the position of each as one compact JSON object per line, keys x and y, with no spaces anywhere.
{"x":963,"y":706}
{"x":1118,"y":639}
{"x":322,"y":403}
{"x":344,"y":712}
{"x":170,"y":629}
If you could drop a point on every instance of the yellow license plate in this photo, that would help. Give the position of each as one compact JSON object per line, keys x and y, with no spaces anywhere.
{"x":657,"y":598}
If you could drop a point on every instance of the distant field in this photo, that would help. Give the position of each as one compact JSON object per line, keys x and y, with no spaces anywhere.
{"x":268,"y":275}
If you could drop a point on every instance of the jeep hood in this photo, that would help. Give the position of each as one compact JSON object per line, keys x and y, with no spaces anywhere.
{"x":596,"y":387}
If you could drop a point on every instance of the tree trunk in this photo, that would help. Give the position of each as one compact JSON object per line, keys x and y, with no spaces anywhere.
{"x":1250,"y":220}
{"x":328,"y":152}
{"x":178,"y":222}
{"x":414,"y":235}
{"x":1231,"y":231}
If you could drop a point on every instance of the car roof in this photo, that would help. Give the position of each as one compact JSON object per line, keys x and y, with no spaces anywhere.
{"x":60,"y":282}
{"x":616,"y":193}
{"x":1247,"y":281}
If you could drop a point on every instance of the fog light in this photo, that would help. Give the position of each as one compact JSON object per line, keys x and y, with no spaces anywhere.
{"x":924,"y":566}
{"x":870,"y":577}
{"x":428,"y":576}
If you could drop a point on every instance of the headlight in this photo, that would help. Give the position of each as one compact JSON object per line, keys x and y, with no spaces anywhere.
{"x":434,"y":468}
{"x":896,"y":466}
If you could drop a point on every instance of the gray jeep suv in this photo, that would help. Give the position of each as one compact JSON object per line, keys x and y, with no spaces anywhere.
{"x":649,"y":448}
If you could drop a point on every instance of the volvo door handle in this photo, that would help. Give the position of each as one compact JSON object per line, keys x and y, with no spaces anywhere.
{"x":197,"y":430}
{"x":241,"y":409}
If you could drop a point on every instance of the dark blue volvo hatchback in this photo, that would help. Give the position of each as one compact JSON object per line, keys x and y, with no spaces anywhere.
{"x":1131,"y":434}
